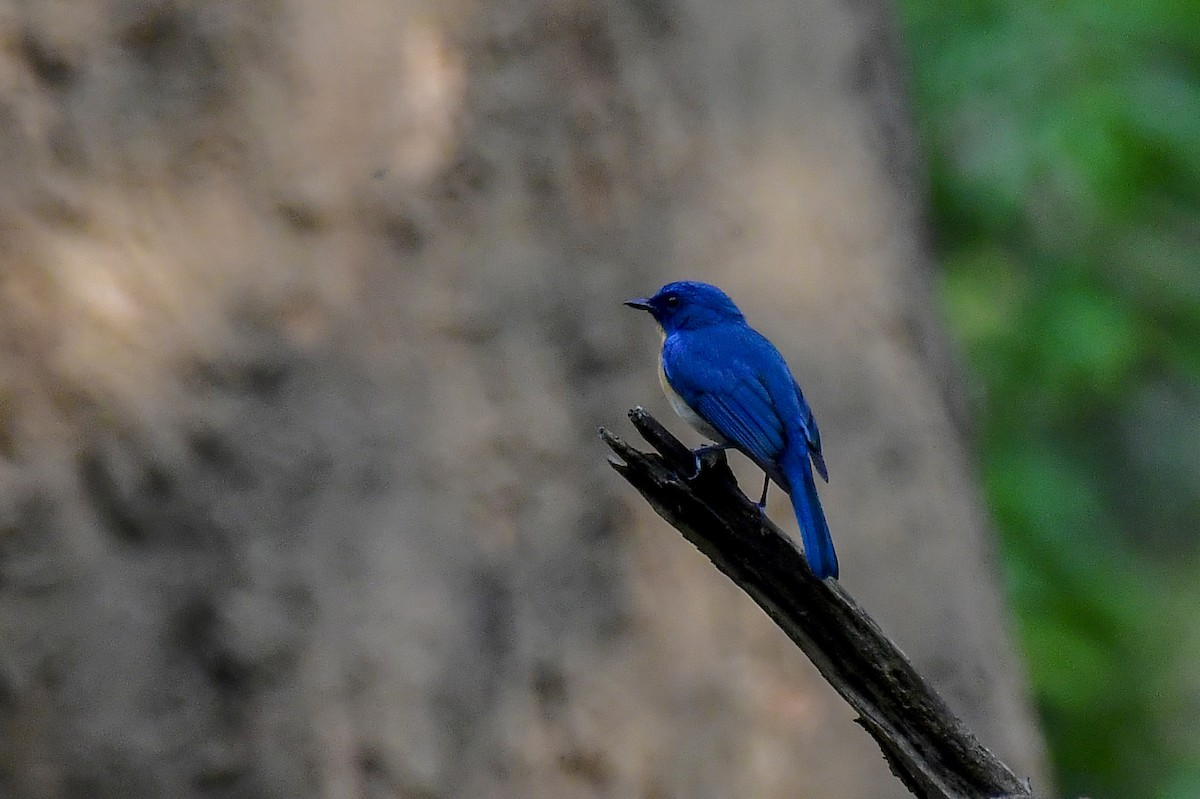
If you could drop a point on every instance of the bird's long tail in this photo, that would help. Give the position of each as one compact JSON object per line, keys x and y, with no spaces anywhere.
{"x":814,"y":530}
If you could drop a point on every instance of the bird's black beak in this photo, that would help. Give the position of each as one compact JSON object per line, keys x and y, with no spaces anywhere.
{"x":642,"y":304}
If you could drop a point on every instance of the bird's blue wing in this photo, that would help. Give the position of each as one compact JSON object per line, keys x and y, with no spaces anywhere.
{"x":731,"y":398}
{"x":811,"y":434}
{"x":741,"y":410}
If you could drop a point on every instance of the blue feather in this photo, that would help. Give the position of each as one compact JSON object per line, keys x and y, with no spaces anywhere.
{"x":814,"y":530}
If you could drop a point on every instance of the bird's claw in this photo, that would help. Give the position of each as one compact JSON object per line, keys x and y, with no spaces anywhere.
{"x":699,"y":454}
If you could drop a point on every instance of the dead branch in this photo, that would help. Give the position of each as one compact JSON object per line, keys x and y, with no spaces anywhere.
{"x":926,"y":745}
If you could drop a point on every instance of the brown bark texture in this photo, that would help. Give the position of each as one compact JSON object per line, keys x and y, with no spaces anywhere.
{"x":308,"y":314}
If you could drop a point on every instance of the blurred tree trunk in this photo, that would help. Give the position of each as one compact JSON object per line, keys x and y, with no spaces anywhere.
{"x":309,"y":313}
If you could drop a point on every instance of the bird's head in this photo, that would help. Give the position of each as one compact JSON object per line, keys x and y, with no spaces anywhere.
{"x":688,"y":305}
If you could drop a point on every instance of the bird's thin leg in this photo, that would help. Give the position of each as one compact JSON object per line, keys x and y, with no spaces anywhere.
{"x":762,"y":503}
{"x":699,"y":453}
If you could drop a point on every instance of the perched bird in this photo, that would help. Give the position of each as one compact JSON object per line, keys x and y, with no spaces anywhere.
{"x":732,"y":385}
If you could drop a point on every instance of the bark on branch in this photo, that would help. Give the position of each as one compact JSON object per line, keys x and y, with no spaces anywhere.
{"x":926,"y":745}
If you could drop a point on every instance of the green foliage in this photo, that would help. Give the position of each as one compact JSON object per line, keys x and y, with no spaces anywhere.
{"x":1064,"y":147}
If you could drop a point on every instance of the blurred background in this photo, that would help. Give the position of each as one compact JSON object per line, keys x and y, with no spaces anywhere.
{"x":308,"y":315}
{"x":1064,"y":157}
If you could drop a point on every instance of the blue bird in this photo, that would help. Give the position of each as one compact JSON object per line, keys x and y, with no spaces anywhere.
{"x":731,"y":384}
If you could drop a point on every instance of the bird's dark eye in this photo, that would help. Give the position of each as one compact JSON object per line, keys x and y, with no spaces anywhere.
{"x":672,"y":301}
